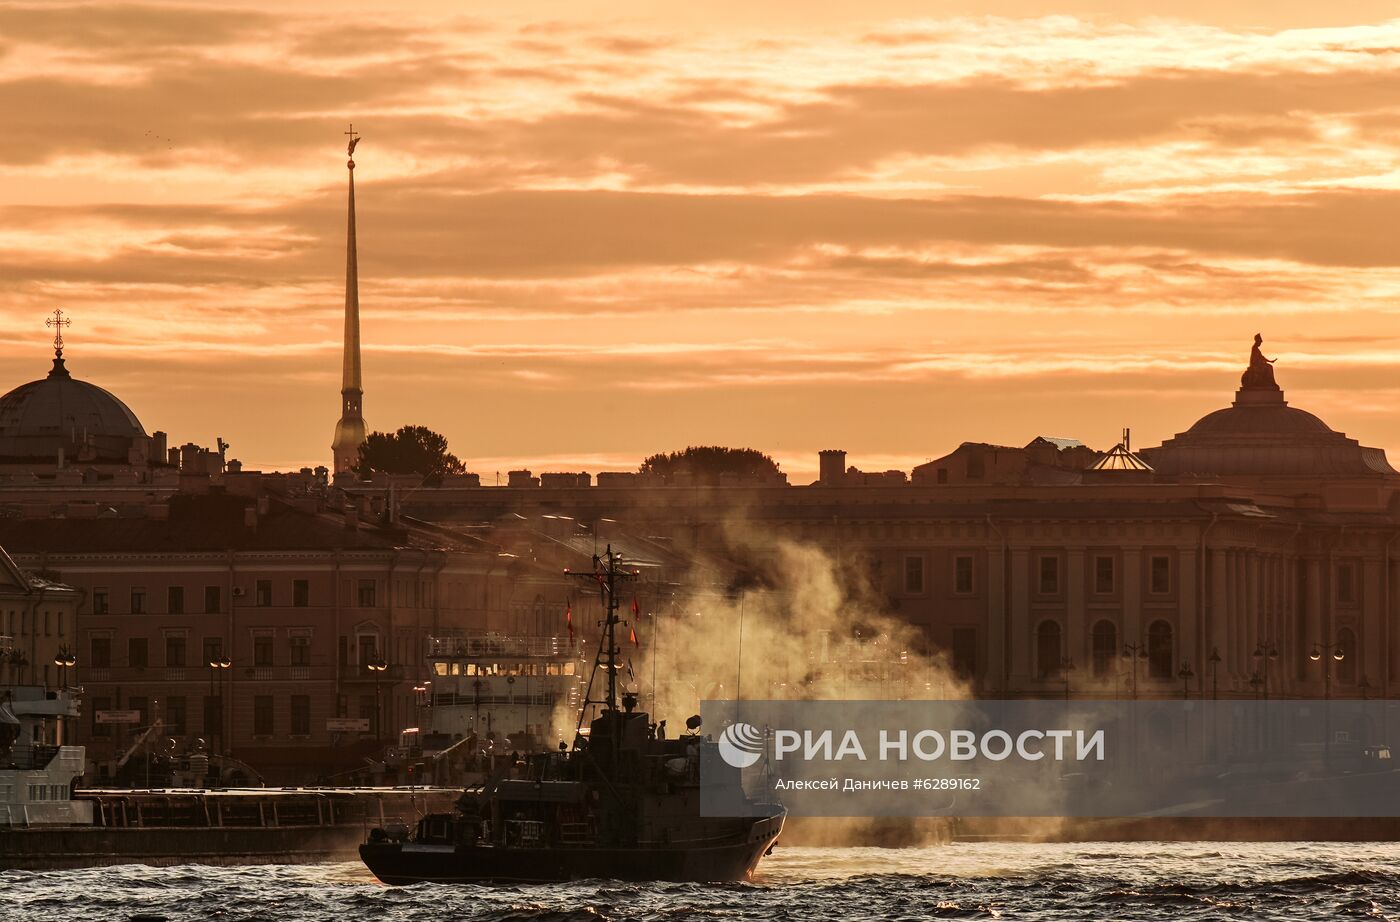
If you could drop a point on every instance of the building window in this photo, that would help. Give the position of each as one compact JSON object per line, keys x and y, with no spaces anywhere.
{"x":1161,"y":581}
{"x":175,"y":600}
{"x":1104,"y":643}
{"x":100,"y":603}
{"x":1049,"y":575}
{"x":1159,"y":650}
{"x":138,"y":600}
{"x":965,"y":652}
{"x":1346,"y":583}
{"x":365,"y":593}
{"x":175,"y":650}
{"x":367,"y":710}
{"x":301,"y":715}
{"x":98,"y":705}
{"x":137,"y":652}
{"x":914,"y":574}
{"x":1103,"y":575}
{"x":301,"y":651}
{"x":100,"y":653}
{"x":262,"y":650}
{"x":301,"y":593}
{"x":1047,"y":649}
{"x":213,"y":649}
{"x":175,"y":715}
{"x":213,"y":600}
{"x":262,"y":593}
{"x":962,"y":575}
{"x":942,"y":475}
{"x":262,"y":715}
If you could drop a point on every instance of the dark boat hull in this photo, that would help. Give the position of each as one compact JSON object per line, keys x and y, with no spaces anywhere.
{"x":410,"y":863}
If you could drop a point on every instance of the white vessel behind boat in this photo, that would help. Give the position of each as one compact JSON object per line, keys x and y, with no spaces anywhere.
{"x":38,"y":773}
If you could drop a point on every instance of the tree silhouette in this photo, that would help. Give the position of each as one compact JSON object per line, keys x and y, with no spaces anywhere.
{"x":411,"y":450}
{"x":708,"y":463}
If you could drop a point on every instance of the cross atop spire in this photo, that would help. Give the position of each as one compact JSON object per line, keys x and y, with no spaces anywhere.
{"x":354,"y":139}
{"x":58,"y":322}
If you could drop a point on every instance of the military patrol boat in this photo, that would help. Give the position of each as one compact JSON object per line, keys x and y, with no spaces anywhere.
{"x":623,"y":802}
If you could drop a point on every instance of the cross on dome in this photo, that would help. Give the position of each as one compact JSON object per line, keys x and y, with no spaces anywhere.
{"x":58,"y":322}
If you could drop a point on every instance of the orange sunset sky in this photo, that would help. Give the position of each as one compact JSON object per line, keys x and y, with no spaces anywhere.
{"x":594,"y":230}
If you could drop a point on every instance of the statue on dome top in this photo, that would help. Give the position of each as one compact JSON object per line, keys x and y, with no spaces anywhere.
{"x":1260,"y":372}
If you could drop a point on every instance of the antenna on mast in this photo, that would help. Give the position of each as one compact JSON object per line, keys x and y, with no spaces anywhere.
{"x":607,"y":570}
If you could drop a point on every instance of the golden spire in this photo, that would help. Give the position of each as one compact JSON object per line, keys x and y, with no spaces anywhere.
{"x":350,"y":380}
{"x":350,"y":431}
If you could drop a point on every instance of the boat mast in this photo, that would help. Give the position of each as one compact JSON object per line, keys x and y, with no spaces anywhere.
{"x":606,"y":573}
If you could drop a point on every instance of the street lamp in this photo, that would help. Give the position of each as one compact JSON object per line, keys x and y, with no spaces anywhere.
{"x":1134,"y":652}
{"x":1186,"y":675}
{"x":1263,"y":654}
{"x":377,"y":667}
{"x":1326,"y":652}
{"x":63,"y":659}
{"x":1066,"y":667}
{"x":217,"y":668}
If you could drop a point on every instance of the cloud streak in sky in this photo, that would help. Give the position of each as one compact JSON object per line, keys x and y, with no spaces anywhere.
{"x":938,"y":216}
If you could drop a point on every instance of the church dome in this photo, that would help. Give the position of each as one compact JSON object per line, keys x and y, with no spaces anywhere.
{"x":59,"y":412}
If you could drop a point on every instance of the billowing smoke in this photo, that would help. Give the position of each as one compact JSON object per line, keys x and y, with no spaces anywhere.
{"x":800,"y":627}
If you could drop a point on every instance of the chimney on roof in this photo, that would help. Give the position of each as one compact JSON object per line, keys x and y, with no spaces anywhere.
{"x":832,"y":466}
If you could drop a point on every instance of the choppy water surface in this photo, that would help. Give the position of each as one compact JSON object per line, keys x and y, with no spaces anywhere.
{"x":976,"y":881}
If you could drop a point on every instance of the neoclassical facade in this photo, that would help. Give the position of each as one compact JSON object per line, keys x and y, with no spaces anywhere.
{"x":1219,"y":563}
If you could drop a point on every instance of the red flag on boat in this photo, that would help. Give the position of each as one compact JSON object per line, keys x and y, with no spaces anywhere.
{"x":569,"y":620}
{"x":635,"y":641}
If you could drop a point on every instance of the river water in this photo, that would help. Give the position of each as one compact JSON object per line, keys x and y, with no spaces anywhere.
{"x":1204,"y":880}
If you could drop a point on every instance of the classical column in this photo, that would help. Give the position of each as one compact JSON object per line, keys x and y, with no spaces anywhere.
{"x":1134,"y":628}
{"x":1077,"y":630}
{"x":1312,"y":616}
{"x":1249,"y":624}
{"x":1219,"y":603}
{"x":1187,"y":591}
{"x":1239,"y":614}
{"x":997,"y":622}
{"x":1371,"y":635}
{"x":1022,"y":639}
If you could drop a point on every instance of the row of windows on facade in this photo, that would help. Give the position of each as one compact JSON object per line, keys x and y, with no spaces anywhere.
{"x":175,"y":714}
{"x":365,"y":649}
{"x":1105,"y":576}
{"x":138,"y":651}
{"x":366,"y":596}
{"x":21,"y":622}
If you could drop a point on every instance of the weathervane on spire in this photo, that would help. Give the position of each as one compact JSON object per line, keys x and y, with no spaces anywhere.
{"x":350,"y":149}
{"x":58,"y":322}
